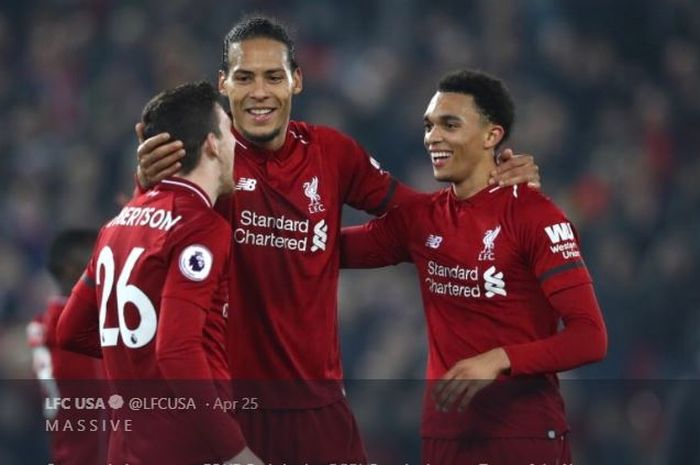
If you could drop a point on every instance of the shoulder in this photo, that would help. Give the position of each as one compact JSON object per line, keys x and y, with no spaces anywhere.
{"x":528,"y":203}
{"x":198,"y":220}
{"x":417,"y":206}
{"x":320,"y":134}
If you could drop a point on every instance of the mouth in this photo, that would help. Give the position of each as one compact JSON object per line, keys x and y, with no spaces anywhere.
{"x":440,"y":158}
{"x":260,"y":115}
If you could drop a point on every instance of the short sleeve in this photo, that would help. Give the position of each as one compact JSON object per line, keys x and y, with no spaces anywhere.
{"x":198,"y":259}
{"x":551,"y":244}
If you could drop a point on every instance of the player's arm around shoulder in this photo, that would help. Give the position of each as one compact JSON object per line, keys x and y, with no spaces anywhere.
{"x":381,"y":242}
{"x":362,"y":182}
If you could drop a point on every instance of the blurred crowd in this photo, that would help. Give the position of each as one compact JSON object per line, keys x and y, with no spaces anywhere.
{"x":606,"y":99}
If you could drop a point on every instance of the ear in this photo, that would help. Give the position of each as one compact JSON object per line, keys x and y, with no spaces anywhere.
{"x":297,"y":81}
{"x":211,"y":148}
{"x":494,"y":135}
{"x":222,"y":79}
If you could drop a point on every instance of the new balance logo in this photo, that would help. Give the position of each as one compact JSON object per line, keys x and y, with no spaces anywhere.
{"x":433,"y":241}
{"x":494,"y":283}
{"x":559,"y":232}
{"x":246,"y":184}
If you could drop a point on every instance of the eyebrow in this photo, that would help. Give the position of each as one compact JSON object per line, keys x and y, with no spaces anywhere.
{"x":267,"y":71}
{"x":444,"y":119}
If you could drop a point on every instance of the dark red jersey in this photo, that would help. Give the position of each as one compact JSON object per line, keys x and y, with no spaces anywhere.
{"x":490,"y":268}
{"x":153,"y":304}
{"x":67,"y":374}
{"x":286,"y":222}
{"x":62,"y":364}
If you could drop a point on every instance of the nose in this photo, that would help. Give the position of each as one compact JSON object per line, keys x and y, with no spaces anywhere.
{"x":259,"y":89}
{"x":432,"y":136}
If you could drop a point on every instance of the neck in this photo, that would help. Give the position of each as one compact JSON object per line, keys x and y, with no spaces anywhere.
{"x":205,"y":179}
{"x":476,"y":180}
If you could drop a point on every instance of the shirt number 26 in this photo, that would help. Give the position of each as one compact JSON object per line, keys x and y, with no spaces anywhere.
{"x":125,"y":293}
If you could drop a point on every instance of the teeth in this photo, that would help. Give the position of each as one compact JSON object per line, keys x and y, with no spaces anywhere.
{"x":260,"y":111}
{"x":440,"y":155}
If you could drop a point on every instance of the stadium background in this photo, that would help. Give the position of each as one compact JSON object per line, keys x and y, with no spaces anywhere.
{"x":607,"y":100}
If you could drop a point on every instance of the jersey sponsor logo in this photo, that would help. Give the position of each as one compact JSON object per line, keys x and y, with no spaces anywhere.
{"x":433,"y":241}
{"x":567,"y":250}
{"x":311,"y":191}
{"x":563,"y":241}
{"x":489,"y":238}
{"x":494,"y":283}
{"x":463,"y":282}
{"x":320,"y":236}
{"x":459,"y":281}
{"x":559,"y":232}
{"x":246,"y":184}
{"x":280,"y":232}
{"x":195,"y":262}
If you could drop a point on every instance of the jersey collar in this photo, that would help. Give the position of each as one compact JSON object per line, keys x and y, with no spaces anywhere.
{"x":176,"y":183}
{"x":260,"y":154}
{"x":483,"y":196}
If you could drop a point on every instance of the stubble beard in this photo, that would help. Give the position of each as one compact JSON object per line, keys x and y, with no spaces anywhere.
{"x":262,"y":139}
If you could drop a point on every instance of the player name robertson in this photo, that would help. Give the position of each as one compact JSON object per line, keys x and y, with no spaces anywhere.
{"x":155,"y":218}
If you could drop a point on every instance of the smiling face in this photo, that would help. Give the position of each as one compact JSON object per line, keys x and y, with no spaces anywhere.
{"x":458,"y":137}
{"x":260,"y":84}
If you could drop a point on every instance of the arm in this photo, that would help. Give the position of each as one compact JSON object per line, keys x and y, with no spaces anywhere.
{"x":379,"y":243}
{"x":182,"y":361}
{"x":583,"y":339}
{"x":78,"y":326}
{"x":370,"y":188}
{"x":187,"y":300}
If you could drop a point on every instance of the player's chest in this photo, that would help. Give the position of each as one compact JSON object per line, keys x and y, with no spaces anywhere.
{"x":305,"y":187}
{"x":466,"y":255}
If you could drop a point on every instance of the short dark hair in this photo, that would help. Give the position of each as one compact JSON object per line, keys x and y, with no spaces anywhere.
{"x":68,"y":255}
{"x":490,"y":94}
{"x":188,"y":113}
{"x":259,"y":26}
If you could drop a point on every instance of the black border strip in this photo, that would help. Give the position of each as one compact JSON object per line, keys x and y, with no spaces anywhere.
{"x":387,"y":198}
{"x":551,"y":272}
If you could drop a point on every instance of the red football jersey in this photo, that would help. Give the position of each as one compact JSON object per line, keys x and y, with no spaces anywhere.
{"x":67,"y":374}
{"x":153,"y":303}
{"x":488,"y":266}
{"x":286,"y":219}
